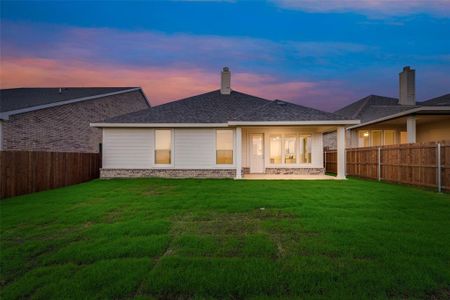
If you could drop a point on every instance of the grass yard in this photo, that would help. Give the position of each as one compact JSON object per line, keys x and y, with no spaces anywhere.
{"x":156,"y":238}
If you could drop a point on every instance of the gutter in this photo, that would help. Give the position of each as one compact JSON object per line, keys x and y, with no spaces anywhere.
{"x":228,"y":124}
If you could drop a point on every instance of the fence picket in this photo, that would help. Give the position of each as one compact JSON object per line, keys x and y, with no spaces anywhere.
{"x":413,"y":164}
{"x":23,"y":172}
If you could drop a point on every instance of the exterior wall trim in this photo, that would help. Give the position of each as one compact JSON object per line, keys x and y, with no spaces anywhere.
{"x":228,"y":124}
{"x":5,"y":115}
{"x":284,"y":123}
{"x":159,"y":125}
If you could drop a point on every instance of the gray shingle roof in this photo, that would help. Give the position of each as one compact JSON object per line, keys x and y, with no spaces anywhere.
{"x":374,"y":107}
{"x":213,"y":107}
{"x":361,"y":107}
{"x":20,"y":98}
{"x":443,"y":100}
{"x":279,"y":110}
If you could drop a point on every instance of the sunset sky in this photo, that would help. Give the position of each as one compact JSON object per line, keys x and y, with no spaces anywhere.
{"x":321,"y":54}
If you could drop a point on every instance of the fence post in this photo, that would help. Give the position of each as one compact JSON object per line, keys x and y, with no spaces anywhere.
{"x":325,"y":160}
{"x":438,"y":170}
{"x":379,"y":164}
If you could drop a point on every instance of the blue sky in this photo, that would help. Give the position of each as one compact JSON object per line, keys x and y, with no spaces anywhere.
{"x":321,"y":54}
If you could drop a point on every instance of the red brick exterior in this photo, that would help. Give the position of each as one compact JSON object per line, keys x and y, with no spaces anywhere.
{"x":66,"y":127}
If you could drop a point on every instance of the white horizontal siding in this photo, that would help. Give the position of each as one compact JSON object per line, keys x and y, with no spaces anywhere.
{"x":128,"y":148}
{"x":194,"y":148}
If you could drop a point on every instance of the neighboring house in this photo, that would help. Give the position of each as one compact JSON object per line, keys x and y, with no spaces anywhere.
{"x":223,"y":133}
{"x":387,"y":121}
{"x":57,"y":119}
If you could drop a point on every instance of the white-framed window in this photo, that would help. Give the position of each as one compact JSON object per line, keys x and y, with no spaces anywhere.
{"x":363,"y":138}
{"x":376,"y":138}
{"x":403,"y":137}
{"x":275,"y":156}
{"x":305,"y":149}
{"x":224,"y":146}
{"x":290,"y":149}
{"x":163,"y":147}
{"x":389,"y":137}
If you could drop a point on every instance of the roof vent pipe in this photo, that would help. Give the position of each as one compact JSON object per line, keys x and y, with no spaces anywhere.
{"x":225,"y":84}
{"x":407,"y":86}
{"x":60,"y":90}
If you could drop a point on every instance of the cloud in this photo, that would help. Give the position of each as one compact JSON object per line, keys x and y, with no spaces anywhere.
{"x":162,"y":84}
{"x":174,"y":66}
{"x":373,"y":8}
{"x":151,"y":48}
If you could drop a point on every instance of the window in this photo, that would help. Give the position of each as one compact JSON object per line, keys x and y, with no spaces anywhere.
{"x":389,"y":137}
{"x":363,"y":140}
{"x":275,"y":149}
{"x":376,"y":137}
{"x":163,"y":147}
{"x":224,"y":147}
{"x":404,"y":137}
{"x":290,"y":156}
{"x":305,"y":149}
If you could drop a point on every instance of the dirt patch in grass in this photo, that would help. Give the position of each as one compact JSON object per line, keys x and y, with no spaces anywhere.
{"x":218,"y":224}
{"x":157,"y":190}
{"x":439,"y":294}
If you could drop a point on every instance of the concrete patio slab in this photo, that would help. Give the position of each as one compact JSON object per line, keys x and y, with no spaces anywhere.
{"x":287,"y":177}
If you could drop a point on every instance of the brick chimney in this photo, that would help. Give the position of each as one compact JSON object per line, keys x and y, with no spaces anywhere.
{"x":407,"y":86}
{"x":225,"y":86}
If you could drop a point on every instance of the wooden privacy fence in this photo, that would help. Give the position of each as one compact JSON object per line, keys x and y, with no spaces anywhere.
{"x":23,"y":172}
{"x":426,"y":165}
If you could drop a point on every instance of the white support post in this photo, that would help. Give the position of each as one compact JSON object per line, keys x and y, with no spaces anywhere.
{"x":238,"y":153}
{"x":379,"y":164}
{"x":438,"y":170}
{"x":340,"y":153}
{"x":411,"y":129}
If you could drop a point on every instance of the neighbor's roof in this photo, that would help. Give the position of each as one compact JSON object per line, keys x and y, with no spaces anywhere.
{"x":27,"y":98}
{"x":443,"y":100}
{"x":374,"y":107}
{"x":213,"y":107}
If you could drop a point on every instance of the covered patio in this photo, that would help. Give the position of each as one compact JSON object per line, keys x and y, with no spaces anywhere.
{"x":286,"y":151}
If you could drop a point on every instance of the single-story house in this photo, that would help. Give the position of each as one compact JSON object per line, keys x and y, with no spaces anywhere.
{"x":223,"y":134}
{"x":58,"y":119}
{"x":388,"y":121}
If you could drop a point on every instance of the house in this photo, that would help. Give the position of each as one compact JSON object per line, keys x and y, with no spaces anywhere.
{"x":222,"y":134}
{"x":387,"y":121}
{"x":57,"y":119}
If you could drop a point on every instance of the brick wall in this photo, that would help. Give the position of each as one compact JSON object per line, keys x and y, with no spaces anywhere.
{"x":330,"y":140}
{"x":168,"y":173}
{"x":66,"y":127}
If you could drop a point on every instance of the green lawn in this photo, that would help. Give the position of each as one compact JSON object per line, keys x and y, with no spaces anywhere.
{"x":156,"y":238}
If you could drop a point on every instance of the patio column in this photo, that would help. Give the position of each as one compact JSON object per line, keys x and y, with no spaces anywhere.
{"x":238,"y":153}
{"x":411,"y":129}
{"x":340,"y":152}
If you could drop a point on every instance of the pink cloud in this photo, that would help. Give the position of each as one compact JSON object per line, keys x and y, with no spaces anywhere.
{"x":371,"y":7}
{"x":160,"y":84}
